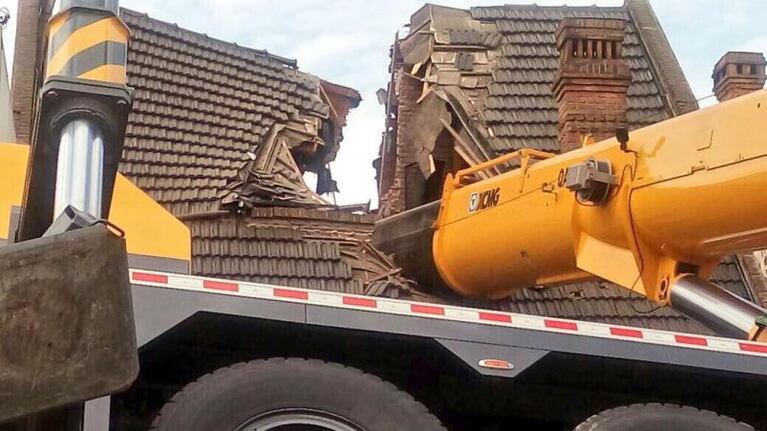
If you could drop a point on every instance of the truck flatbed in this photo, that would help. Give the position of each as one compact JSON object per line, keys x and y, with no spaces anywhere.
{"x":162,"y":300}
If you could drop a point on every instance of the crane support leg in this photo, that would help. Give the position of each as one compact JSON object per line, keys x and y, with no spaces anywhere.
{"x":83,"y":111}
{"x":65,"y":304}
{"x":80,"y":168}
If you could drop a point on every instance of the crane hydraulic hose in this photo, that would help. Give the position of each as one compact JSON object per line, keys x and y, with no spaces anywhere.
{"x":653,"y":212}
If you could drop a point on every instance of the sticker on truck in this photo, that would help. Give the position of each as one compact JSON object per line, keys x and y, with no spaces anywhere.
{"x":483,"y":200}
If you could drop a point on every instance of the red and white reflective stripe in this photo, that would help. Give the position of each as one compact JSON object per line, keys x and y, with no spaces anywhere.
{"x":438,"y":311}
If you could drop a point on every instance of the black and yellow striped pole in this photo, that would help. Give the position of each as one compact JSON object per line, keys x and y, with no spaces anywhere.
{"x":87,"y":40}
{"x":81,"y":115}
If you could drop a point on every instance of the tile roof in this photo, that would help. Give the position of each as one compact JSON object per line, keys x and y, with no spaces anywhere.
{"x":211,"y":138}
{"x":516,"y":106}
{"x":307,"y":248}
{"x":200,"y":106}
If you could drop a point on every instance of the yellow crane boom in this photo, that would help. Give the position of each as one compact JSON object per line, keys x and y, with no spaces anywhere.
{"x":654,"y":213}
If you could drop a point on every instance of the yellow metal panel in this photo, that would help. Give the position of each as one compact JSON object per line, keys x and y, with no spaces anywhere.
{"x":108,"y":73}
{"x":150,"y":229}
{"x":13,"y":169}
{"x":689,"y":190}
{"x":55,"y":25}
{"x":609,"y":262}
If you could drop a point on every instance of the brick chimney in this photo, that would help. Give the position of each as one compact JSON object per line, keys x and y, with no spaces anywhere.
{"x":738,"y":73}
{"x":593,"y":80}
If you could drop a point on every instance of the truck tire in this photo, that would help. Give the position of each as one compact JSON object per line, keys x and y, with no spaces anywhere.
{"x":292,"y":395}
{"x":653,"y":417}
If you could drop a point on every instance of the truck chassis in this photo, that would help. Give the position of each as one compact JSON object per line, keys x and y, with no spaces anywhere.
{"x":473,"y":369}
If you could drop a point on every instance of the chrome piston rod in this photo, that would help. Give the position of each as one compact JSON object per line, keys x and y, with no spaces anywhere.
{"x":721,"y":311}
{"x":80,"y":168}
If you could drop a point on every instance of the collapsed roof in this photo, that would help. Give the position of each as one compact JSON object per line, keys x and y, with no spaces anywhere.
{"x":221,"y":135}
{"x":494,"y":69}
{"x":214,"y":120}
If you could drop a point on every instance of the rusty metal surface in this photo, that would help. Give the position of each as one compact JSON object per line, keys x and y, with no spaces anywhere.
{"x":66,"y":321}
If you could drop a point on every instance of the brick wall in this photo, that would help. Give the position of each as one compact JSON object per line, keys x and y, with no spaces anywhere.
{"x":593,"y":80}
{"x":27,"y":63}
{"x":393,"y":200}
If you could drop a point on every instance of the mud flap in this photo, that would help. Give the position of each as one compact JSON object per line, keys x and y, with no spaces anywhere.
{"x":66,"y":321}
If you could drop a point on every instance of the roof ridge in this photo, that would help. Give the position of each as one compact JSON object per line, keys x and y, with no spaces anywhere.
{"x":524,"y":6}
{"x":223,"y":44}
{"x":677,"y":92}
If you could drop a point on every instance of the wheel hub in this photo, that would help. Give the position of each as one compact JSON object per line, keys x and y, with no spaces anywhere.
{"x":298,"y":420}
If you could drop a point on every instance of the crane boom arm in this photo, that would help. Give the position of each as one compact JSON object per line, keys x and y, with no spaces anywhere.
{"x":653,"y":213}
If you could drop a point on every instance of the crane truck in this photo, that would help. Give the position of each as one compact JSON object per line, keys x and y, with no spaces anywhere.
{"x":97,"y":304}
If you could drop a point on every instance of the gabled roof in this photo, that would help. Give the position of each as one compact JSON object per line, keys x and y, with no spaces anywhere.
{"x":221,"y":135}
{"x":500,"y":64}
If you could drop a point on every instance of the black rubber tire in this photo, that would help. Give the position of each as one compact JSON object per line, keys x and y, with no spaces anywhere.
{"x":654,"y":417}
{"x":229,"y":397}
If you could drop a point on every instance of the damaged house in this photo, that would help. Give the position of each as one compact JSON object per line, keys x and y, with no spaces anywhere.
{"x":470,"y":85}
{"x":221,"y":136}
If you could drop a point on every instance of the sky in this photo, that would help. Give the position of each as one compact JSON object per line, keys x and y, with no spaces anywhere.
{"x":347,"y":42}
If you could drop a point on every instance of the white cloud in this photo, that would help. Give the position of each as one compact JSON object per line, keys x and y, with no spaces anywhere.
{"x":317,"y":52}
{"x":353,"y":167}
